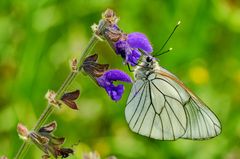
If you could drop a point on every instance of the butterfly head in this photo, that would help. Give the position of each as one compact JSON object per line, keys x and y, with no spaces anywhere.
{"x":148,"y":61}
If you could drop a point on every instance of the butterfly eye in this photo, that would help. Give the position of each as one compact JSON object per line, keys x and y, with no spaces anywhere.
{"x":149,"y":59}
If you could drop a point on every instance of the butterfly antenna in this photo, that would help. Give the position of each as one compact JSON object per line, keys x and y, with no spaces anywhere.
{"x":164,"y":52}
{"x":160,"y":51}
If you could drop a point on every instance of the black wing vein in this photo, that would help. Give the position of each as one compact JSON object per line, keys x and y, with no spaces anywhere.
{"x":137,"y":106}
{"x":136,"y":93}
{"x":141,"y":110}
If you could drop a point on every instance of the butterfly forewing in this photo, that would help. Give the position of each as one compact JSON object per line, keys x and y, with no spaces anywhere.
{"x":161,"y":107}
{"x":155,"y":113}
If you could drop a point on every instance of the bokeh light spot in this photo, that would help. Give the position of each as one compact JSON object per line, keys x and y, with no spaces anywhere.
{"x":199,"y":75}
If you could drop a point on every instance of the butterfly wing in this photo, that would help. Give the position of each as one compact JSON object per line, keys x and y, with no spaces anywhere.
{"x":161,"y":107}
{"x":155,"y":113}
{"x":202,"y":123}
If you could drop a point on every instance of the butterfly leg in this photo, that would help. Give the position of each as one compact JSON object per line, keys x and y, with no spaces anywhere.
{"x":129,"y":68}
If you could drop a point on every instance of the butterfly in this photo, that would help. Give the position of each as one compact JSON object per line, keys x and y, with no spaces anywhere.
{"x":161,"y":107}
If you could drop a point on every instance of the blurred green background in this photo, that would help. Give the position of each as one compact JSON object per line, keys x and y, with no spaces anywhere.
{"x":38,"y":38}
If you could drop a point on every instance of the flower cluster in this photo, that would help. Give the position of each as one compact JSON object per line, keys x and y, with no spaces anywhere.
{"x":105,"y":78}
{"x":127,"y":45}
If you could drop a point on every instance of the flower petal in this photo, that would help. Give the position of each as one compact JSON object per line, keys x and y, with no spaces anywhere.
{"x":115,"y":92}
{"x":139,"y":41}
{"x":106,"y":81}
{"x":117,"y":75}
{"x":133,"y":57}
{"x":122,"y":48}
{"x":115,"y":27}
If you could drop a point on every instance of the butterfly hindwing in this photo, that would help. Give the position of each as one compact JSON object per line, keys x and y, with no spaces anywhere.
{"x":202,"y":123}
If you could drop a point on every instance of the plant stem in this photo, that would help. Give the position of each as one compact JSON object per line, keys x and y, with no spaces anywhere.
{"x":49,"y":109}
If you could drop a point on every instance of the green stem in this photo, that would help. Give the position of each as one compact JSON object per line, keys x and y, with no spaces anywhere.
{"x":49,"y":109}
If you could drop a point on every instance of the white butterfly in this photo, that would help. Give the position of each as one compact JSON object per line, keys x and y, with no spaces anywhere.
{"x":160,"y":106}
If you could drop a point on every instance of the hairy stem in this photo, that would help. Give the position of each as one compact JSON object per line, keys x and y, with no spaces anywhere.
{"x":49,"y":108}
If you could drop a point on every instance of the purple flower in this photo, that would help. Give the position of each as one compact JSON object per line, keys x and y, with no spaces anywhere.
{"x":138,"y":40}
{"x":107,"y":79}
{"x":128,"y":47}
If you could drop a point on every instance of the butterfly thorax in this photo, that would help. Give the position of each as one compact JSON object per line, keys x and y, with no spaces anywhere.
{"x":146,"y":69}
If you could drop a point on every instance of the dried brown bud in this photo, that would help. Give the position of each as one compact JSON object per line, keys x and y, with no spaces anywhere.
{"x":3,"y":157}
{"x":110,"y":16}
{"x":113,"y":34}
{"x":91,"y":155}
{"x":64,"y":152}
{"x":73,"y":65}
{"x":92,"y":68}
{"x":51,"y":97}
{"x":45,"y":156}
{"x":48,"y":143}
{"x":38,"y":139}
{"x":69,"y":99}
{"x":22,"y":131}
{"x":112,"y":157}
{"x":49,"y":127}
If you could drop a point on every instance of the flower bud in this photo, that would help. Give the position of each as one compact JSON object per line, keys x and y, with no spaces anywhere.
{"x":22,"y":131}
